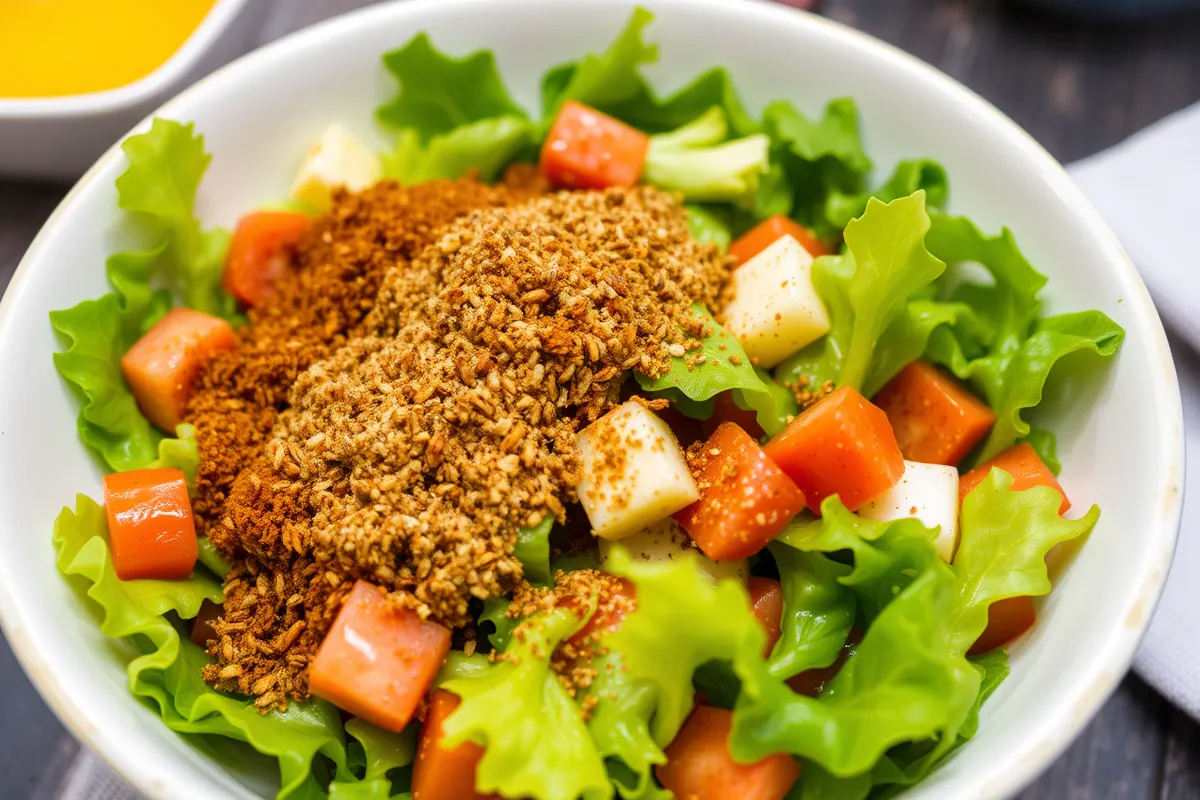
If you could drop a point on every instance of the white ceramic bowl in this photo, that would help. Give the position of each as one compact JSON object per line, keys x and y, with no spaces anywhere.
{"x":1120,"y":434}
{"x":60,"y":137}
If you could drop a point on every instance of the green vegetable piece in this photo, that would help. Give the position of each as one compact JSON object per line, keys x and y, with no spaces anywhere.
{"x":439,"y":94}
{"x":1005,"y":536}
{"x":212,"y":558}
{"x":533,"y":551}
{"x":384,"y":751}
{"x":485,"y":146}
{"x":536,"y":742}
{"x":696,"y":161}
{"x":908,"y":177}
{"x":725,"y":368}
{"x":818,"y":611}
{"x":706,"y":225}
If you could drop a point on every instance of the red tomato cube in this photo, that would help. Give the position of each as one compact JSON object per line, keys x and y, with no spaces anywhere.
{"x":590,"y":150}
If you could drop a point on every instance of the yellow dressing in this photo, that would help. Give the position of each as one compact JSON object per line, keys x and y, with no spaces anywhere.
{"x":50,"y":48}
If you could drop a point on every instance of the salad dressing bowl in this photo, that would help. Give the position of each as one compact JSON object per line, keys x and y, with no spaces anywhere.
{"x":1120,"y":428}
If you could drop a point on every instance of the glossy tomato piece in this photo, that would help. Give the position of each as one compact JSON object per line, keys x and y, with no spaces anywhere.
{"x":377,"y":661}
{"x":151,"y":531}
{"x":745,"y":499}
{"x":1027,"y":470}
{"x":259,"y":253}
{"x":766,"y":596}
{"x":590,"y":150}
{"x":935,"y":419}
{"x":444,"y":773}
{"x":842,"y":445}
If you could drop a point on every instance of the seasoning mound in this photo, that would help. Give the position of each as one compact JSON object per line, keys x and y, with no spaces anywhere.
{"x":410,"y":455}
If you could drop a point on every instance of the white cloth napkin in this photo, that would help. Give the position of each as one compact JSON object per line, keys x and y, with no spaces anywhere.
{"x":1146,"y":189}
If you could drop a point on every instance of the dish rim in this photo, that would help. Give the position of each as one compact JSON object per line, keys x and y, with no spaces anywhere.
{"x":1021,"y":764}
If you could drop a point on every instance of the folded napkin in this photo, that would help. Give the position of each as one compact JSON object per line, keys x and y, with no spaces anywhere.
{"x":1146,"y":189}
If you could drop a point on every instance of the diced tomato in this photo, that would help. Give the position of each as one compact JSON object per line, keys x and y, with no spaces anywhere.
{"x":687,"y":430}
{"x":259,"y":252}
{"x":1027,"y":470}
{"x":766,"y":596}
{"x":161,"y":368}
{"x":726,"y":409}
{"x":811,"y":682}
{"x":1007,"y":619}
{"x":151,"y":531}
{"x":935,"y":419}
{"x":377,"y":660}
{"x":842,"y":445}
{"x":700,"y":767}
{"x":441,"y":773}
{"x":616,"y":598}
{"x":202,"y":629}
{"x":590,"y":150}
{"x":762,"y":236}
{"x":745,"y":499}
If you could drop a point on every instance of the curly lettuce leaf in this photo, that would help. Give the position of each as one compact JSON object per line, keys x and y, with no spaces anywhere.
{"x":1005,"y":536}
{"x":484,"y":147}
{"x":536,"y":742}
{"x":604,"y":80}
{"x":907,"y":177}
{"x":1045,"y":444}
{"x":159,"y":187}
{"x":814,"y":160}
{"x":109,"y":421}
{"x":902,"y":684}
{"x":725,"y":367}
{"x":166,"y":164}
{"x":167,"y":673}
{"x":383,"y":752}
{"x":866,"y":290}
{"x":661,"y":641}
{"x":620,"y":727}
{"x":818,"y":611}
{"x":439,"y":93}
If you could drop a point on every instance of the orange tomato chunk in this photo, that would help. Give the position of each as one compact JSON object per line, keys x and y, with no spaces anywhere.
{"x":202,"y":629}
{"x":843,"y":445}
{"x":259,"y":253}
{"x":935,"y":419}
{"x":161,"y":368}
{"x":766,"y":596}
{"x":1027,"y":470}
{"x":745,"y":499}
{"x":762,"y":236}
{"x":1007,"y":619}
{"x":441,"y":773}
{"x":699,"y":766}
{"x":151,"y":531}
{"x":378,"y":661}
{"x":590,"y":150}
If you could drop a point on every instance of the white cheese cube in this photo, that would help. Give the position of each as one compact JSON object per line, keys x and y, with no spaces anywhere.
{"x":775,"y":309}
{"x":928,"y":492}
{"x":337,"y":158}
{"x":666,"y":541}
{"x":634,"y":473}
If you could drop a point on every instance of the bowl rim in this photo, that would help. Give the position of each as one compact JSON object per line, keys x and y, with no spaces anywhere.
{"x":1006,"y":775}
{"x":185,"y":58}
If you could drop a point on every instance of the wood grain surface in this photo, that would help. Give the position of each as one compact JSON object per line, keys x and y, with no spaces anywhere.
{"x":1077,"y":88}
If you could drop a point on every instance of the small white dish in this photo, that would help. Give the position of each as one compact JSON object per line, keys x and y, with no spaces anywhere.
{"x":1120,"y":430}
{"x":60,"y":137}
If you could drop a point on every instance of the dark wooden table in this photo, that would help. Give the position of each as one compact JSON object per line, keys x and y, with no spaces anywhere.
{"x":1077,"y":88}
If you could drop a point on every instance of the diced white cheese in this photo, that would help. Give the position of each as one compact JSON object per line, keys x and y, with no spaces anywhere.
{"x":665,"y":541}
{"x":337,"y":158}
{"x":928,"y":492}
{"x":634,"y":472}
{"x":775,"y":309}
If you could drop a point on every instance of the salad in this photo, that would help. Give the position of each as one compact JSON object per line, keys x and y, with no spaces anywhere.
{"x":642,"y":447}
